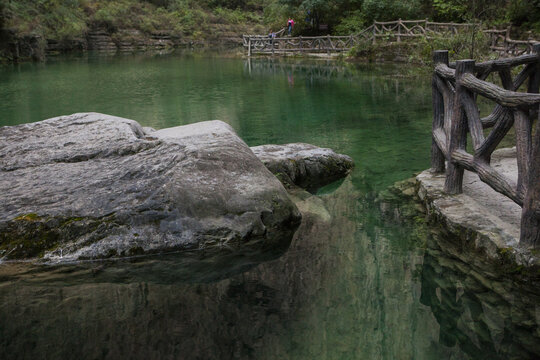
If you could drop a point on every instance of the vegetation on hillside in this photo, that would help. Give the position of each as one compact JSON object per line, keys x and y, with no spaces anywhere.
{"x":346,"y":16}
{"x":64,"y":20}
{"x":70,"y":19}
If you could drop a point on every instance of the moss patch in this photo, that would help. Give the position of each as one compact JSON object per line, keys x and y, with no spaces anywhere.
{"x":28,"y":217}
{"x":30,"y":235}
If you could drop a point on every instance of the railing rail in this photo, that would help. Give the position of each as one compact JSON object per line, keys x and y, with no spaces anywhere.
{"x":455,"y":88}
{"x":393,"y":31}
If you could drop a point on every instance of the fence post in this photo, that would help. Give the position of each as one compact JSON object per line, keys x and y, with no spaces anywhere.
{"x":249,"y":46}
{"x":437,"y":156}
{"x":399,"y":31}
{"x":328,"y":46}
{"x":506,"y":38}
{"x":458,"y":131}
{"x":530,"y":215}
{"x":301,"y":44}
{"x":534,"y":80}
{"x":374,"y":30}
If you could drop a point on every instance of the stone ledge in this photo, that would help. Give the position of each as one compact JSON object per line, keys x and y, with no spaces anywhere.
{"x":480,"y":216}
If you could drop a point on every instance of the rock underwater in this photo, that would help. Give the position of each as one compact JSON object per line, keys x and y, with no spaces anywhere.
{"x":95,"y":186}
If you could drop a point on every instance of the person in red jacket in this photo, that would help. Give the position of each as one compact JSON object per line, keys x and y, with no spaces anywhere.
{"x":290,"y":24}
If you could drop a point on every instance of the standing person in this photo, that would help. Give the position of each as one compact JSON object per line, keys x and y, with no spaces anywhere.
{"x":290,"y":24}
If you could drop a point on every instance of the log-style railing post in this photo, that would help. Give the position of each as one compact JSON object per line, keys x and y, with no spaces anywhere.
{"x":301,"y":43}
{"x":530,"y":216}
{"x":328,"y":46}
{"x":399,"y":31}
{"x":437,"y":156}
{"x":523,"y":126}
{"x":458,"y":131}
{"x":374,"y":31}
{"x":534,"y":81}
{"x":249,"y":46}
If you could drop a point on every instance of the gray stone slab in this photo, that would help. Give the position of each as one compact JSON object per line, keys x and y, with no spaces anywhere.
{"x":491,"y":216}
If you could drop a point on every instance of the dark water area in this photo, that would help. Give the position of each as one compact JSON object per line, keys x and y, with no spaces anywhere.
{"x":359,"y":281}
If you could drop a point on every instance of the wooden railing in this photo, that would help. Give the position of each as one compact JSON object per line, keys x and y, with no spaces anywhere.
{"x":455,"y":88}
{"x":501,"y":43}
{"x":312,"y":44}
{"x":390,"y":31}
{"x":403,"y":29}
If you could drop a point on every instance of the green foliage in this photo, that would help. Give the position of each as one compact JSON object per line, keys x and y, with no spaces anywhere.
{"x":472,"y":44}
{"x":353,"y":22}
{"x":71,"y":19}
{"x":65,"y":19}
{"x":525,"y":13}
{"x":449,"y":10}
{"x":365,"y":50}
{"x":236,"y":16}
{"x":468,"y":10}
{"x":466,"y":44}
{"x":385,"y":10}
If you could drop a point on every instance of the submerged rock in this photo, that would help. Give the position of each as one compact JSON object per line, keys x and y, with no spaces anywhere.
{"x":93,"y":186}
{"x":304,"y":165}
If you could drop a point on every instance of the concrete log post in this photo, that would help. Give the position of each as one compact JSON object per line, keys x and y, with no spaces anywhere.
{"x":437,"y":156}
{"x":530,"y":216}
{"x":534,"y":80}
{"x":458,"y":131}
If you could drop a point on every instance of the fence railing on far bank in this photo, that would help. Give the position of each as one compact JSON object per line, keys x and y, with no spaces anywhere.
{"x":455,"y":114}
{"x":390,"y":31}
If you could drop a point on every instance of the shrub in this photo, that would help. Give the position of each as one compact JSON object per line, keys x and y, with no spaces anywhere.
{"x":353,"y":22}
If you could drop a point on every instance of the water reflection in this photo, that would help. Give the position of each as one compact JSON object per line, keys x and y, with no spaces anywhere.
{"x":355,"y":284}
{"x":352,"y":286}
{"x":489,"y":314}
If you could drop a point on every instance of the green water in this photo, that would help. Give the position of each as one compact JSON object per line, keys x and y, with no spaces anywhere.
{"x":360,"y":280}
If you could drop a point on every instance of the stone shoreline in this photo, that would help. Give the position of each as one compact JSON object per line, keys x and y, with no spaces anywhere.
{"x":480,"y":217}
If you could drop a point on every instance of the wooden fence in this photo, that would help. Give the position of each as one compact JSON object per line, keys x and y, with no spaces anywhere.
{"x":391,"y":31}
{"x":404,"y":29}
{"x":455,"y":88}
{"x":311,"y":44}
{"x":501,"y":43}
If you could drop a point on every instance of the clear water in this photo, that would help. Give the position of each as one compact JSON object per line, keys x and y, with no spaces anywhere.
{"x":358,"y":281}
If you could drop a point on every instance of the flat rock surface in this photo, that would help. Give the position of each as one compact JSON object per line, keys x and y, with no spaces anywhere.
{"x":304,"y":165}
{"x":479,"y":208}
{"x":89,"y":186}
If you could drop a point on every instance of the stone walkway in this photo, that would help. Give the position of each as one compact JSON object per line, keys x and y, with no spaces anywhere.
{"x":494,"y":218}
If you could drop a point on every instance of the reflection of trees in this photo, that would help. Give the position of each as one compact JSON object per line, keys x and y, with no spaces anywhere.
{"x":354,"y":284}
{"x":487,"y":314}
{"x":345,"y":289}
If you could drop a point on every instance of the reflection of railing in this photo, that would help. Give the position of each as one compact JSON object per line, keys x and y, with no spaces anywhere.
{"x":455,"y":113}
{"x":317,"y":71}
{"x":390,"y":31}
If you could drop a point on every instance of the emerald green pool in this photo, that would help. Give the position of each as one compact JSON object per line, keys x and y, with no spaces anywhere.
{"x":361,"y":280}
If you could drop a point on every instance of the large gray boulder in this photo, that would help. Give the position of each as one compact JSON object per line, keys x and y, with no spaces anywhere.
{"x":304,"y":165}
{"x":92,"y":186}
